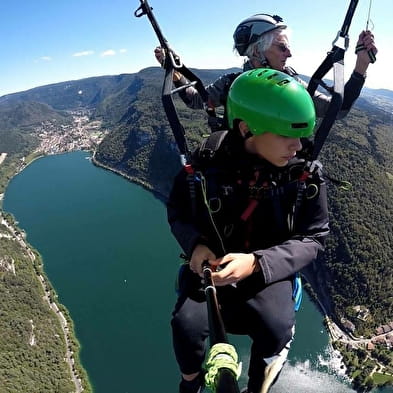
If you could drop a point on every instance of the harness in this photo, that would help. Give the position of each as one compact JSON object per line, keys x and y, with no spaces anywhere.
{"x":258,"y":189}
{"x":260,"y":185}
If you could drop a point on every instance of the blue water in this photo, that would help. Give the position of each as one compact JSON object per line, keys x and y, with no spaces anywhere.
{"x":109,"y":254}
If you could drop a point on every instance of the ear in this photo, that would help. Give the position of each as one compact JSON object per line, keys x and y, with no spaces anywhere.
{"x":244,"y":130}
{"x":256,"y":52}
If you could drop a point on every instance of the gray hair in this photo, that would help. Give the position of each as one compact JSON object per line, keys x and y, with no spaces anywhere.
{"x":263,"y":43}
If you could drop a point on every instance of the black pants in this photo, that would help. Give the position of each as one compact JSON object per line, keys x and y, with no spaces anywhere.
{"x":265,"y":313}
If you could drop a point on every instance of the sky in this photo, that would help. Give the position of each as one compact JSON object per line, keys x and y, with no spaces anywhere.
{"x":50,"y":41}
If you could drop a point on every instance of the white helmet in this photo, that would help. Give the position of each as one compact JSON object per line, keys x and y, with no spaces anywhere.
{"x":252,"y":28}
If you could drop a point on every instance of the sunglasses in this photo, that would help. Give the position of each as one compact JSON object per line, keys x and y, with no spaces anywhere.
{"x":283,"y":47}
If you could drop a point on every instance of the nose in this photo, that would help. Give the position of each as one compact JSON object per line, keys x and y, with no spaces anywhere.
{"x":288,"y":53}
{"x":295,"y":144}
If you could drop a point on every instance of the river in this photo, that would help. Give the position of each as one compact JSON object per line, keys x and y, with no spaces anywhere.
{"x":109,"y":254}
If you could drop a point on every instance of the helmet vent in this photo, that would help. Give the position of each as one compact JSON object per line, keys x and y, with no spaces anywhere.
{"x":299,"y":125}
{"x":272,"y":76}
{"x":262,"y":72}
{"x":283,"y":82}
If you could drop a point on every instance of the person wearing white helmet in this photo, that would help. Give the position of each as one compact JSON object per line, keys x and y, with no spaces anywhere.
{"x":263,"y":40}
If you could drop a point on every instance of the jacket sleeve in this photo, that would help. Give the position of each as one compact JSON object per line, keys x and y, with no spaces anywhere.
{"x":352,"y":91}
{"x":179,"y":214}
{"x":285,"y":259}
{"x":217,"y":92}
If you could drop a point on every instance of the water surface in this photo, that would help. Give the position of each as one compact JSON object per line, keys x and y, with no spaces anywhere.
{"x":109,"y":254}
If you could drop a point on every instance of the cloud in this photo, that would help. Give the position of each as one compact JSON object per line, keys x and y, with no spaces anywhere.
{"x":84,"y":53}
{"x":109,"y":52}
{"x":43,"y":58}
{"x":123,"y":50}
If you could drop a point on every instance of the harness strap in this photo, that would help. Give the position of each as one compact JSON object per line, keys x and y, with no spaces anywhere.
{"x":249,"y":209}
{"x":210,"y":145}
{"x":335,"y":60}
{"x":191,"y":187}
{"x":172,"y":62}
{"x":370,"y":52}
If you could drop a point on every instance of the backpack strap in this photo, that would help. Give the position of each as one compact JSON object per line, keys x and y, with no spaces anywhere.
{"x":211,"y":145}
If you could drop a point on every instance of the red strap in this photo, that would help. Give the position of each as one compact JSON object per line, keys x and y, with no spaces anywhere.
{"x":249,"y":210}
{"x":189,"y":169}
{"x":304,"y":176}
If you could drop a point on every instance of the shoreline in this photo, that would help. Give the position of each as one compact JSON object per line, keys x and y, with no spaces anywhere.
{"x":78,"y":373}
{"x":147,"y":186}
{"x":342,"y":340}
{"x":69,"y":334}
{"x":334,"y":331}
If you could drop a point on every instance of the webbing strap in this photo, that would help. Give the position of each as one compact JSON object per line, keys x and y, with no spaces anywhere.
{"x":211,"y":144}
{"x":173,"y":119}
{"x":335,"y":60}
{"x":333,"y":109}
{"x":172,"y":62}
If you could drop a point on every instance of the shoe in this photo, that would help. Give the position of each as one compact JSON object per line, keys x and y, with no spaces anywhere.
{"x":273,"y":369}
{"x":268,"y":373}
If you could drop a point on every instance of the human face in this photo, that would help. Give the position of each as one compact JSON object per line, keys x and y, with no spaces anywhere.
{"x":278,"y":52}
{"x":276,"y":149}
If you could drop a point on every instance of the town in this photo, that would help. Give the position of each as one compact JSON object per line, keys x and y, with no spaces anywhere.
{"x":82,"y":134}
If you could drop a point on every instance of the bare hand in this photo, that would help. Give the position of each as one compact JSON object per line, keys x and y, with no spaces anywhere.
{"x":159,"y":54}
{"x":237,"y":268}
{"x":366,"y":40}
{"x":200,"y":254}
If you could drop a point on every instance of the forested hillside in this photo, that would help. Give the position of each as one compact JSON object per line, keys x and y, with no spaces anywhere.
{"x":142,"y":144}
{"x":358,"y":268}
{"x":32,"y":355}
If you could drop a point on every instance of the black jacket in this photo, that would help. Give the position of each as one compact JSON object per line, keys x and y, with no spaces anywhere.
{"x":284,"y":234}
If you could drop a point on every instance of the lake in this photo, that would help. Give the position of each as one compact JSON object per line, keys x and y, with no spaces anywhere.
{"x":108,"y":252}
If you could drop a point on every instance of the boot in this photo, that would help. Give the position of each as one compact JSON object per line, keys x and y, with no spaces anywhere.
{"x":268,"y":373}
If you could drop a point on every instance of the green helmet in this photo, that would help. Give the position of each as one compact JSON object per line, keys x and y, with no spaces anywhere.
{"x":271,"y":101}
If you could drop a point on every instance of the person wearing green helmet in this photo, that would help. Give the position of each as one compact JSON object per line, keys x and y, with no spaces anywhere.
{"x":258,"y":218}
